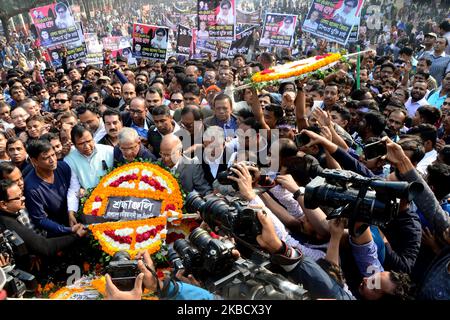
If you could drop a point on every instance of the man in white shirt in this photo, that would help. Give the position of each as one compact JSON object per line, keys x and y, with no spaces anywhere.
{"x":417,"y":98}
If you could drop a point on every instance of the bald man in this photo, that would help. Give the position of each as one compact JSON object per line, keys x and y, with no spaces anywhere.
{"x":189,"y":170}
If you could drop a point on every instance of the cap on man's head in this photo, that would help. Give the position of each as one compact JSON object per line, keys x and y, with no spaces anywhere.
{"x":431,"y":34}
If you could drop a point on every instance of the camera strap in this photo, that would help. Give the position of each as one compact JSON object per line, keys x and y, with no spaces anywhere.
{"x":163,"y":293}
{"x":354,"y":213}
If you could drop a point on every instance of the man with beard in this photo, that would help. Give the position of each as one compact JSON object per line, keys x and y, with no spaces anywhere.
{"x":89,"y":116}
{"x":417,"y":98}
{"x":396,"y":121}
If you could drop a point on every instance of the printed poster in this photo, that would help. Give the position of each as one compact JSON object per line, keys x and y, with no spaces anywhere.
{"x":216,"y":20}
{"x":150,"y":41}
{"x":55,"y":24}
{"x":333,"y":20}
{"x":278,"y":30}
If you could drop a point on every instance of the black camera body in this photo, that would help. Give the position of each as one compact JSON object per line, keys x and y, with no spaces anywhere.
{"x":18,"y":282}
{"x":368,"y":200}
{"x":191,"y":257}
{"x":123,"y":271}
{"x":222,"y":177}
{"x":217,"y":255}
{"x":232,"y":215}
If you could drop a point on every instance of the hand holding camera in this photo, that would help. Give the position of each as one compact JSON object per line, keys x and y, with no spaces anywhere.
{"x":113,"y":293}
{"x":244,"y":180}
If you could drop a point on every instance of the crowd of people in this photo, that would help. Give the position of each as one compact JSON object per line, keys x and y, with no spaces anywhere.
{"x":62,"y":130}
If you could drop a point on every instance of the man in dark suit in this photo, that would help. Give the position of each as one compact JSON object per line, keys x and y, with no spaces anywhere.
{"x":190,"y":172}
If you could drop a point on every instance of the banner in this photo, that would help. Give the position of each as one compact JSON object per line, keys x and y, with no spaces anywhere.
{"x":247,"y":12}
{"x":242,"y":44}
{"x":94,"y":49}
{"x":278,"y":30}
{"x":74,"y":53}
{"x":150,"y":41}
{"x":354,"y":35}
{"x":333,"y":19}
{"x":184,"y":40}
{"x":216,"y":20}
{"x":54,"y":24}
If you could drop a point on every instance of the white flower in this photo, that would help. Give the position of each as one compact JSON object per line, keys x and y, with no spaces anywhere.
{"x":96,"y":205}
{"x":143,"y":229}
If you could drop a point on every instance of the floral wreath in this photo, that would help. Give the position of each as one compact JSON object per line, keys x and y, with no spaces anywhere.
{"x":295,"y":68}
{"x":140,"y":180}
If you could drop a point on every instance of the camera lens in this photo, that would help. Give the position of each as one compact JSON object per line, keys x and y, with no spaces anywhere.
{"x":200,"y":238}
{"x":190,"y":255}
{"x":194,"y":202}
{"x":121,"y":256}
{"x":217,"y":213}
{"x":175,"y":259}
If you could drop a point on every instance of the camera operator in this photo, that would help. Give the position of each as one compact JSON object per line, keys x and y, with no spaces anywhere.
{"x":11,"y":202}
{"x":165,"y":289}
{"x":399,"y":242}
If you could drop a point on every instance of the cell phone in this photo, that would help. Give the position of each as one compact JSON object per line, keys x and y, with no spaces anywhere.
{"x":375,"y":150}
{"x":302,"y":139}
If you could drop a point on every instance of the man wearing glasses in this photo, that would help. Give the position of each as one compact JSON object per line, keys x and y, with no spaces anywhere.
{"x":130,"y":148}
{"x":138,"y":117}
{"x":63,"y":102}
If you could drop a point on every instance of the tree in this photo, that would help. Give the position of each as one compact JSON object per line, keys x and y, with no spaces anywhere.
{"x":11,"y":8}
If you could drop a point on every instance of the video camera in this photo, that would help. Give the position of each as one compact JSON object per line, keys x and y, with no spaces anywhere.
{"x":211,"y":261}
{"x":231,"y":215}
{"x":368,"y":200}
{"x":17,"y":281}
{"x":263,"y":181}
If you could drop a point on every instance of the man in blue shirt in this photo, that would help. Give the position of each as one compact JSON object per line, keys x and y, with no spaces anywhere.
{"x":46,"y":190}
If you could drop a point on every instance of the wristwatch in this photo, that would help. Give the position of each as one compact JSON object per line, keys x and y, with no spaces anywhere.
{"x":299,"y":192}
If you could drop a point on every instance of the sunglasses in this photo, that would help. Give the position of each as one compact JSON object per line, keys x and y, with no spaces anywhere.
{"x":60,"y":100}
{"x":178,"y":101}
{"x":446,"y":103}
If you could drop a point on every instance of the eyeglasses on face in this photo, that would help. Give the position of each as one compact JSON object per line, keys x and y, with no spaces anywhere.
{"x":61,"y":100}
{"x":178,"y":101}
{"x":136,"y":111}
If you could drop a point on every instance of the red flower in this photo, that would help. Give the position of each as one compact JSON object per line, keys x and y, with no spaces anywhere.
{"x":98,"y":199}
{"x":267,"y":71}
{"x":95,"y":212}
{"x":170,"y":206}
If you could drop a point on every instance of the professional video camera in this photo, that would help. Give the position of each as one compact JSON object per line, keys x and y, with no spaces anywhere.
{"x":211,"y":261}
{"x":17,"y":281}
{"x":123,"y":270}
{"x":231,"y":215}
{"x":368,"y":200}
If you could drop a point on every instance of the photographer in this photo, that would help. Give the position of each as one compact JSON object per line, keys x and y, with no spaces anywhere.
{"x":147,"y":279}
